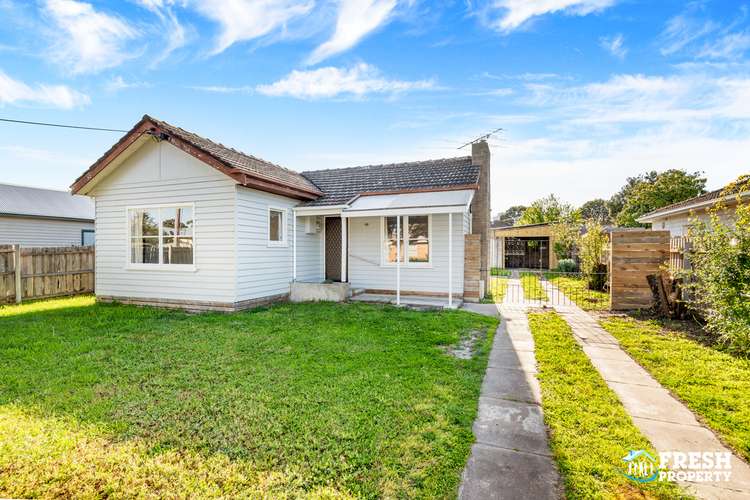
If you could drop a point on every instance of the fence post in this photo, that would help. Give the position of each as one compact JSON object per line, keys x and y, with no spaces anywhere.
{"x":17,"y":269}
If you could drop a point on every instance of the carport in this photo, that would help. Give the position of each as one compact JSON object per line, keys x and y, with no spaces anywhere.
{"x":523,"y":247}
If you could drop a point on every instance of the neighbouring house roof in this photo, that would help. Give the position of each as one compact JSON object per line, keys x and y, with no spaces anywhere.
{"x":341,"y":185}
{"x":46,"y":203}
{"x":523,"y":226}
{"x":686,"y":206}
{"x":245,"y":169}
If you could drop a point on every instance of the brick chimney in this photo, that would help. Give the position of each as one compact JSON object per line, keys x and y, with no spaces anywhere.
{"x":480,"y":206}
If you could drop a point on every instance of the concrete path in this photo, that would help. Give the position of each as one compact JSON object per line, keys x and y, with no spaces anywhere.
{"x":666,"y":422}
{"x":511,"y":457}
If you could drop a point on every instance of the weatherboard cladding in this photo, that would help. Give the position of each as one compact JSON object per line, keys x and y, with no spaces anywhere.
{"x":341,"y":185}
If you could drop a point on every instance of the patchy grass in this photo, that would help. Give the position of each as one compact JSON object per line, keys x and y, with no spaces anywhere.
{"x":576,"y":289}
{"x":533,"y":288}
{"x":713,"y":384}
{"x":309,"y":400}
{"x":590,"y":430}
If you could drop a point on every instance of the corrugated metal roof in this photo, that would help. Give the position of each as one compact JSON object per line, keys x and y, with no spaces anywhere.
{"x":430,"y":202}
{"x":30,"y":201}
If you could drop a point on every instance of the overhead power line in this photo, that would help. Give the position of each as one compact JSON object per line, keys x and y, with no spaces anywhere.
{"x":60,"y":125}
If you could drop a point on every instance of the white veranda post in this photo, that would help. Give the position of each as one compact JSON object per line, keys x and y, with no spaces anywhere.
{"x":398,"y":260}
{"x":294,"y":246}
{"x":344,"y":248}
{"x":450,"y":260}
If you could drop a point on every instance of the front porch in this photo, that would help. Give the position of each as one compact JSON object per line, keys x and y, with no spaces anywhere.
{"x":403,"y":248}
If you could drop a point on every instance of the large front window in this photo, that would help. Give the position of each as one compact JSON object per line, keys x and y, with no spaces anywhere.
{"x":161,"y":235}
{"x":413,"y":239}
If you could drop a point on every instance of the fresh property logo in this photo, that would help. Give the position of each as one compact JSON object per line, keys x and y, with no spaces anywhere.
{"x":693,"y":466}
{"x":642,"y":467}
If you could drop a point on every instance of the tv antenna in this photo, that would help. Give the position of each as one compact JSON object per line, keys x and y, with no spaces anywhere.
{"x":482,"y":137}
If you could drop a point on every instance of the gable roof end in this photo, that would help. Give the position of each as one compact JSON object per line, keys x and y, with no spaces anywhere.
{"x":244,"y":169}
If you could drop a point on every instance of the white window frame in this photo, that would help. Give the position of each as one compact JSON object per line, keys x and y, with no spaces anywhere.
{"x":405,"y":230}
{"x":129,"y":265}
{"x":284,"y":229}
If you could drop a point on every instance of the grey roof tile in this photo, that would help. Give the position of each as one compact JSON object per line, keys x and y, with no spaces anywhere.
{"x":342,"y":184}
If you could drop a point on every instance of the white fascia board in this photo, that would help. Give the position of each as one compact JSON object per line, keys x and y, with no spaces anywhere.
{"x":448,"y":209}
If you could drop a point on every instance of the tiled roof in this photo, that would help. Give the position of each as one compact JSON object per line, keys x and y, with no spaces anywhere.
{"x":36,"y":202}
{"x":690,"y":202}
{"x":342,"y":184}
{"x":239,"y":160}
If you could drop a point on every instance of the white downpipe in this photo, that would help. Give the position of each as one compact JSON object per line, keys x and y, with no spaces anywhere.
{"x":344,"y":248}
{"x":294,"y":246}
{"x":450,"y":260}
{"x":398,"y":260}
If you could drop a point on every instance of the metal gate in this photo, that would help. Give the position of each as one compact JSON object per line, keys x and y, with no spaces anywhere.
{"x":548,"y":288}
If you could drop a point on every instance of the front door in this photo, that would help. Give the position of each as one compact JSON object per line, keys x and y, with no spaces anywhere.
{"x":333,"y":248}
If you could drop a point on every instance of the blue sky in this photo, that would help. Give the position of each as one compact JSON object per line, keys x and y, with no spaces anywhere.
{"x":588,"y":92}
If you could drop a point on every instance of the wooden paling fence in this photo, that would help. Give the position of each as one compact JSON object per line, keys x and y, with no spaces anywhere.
{"x":679,"y":247}
{"x":634,"y":255}
{"x":35,"y":273}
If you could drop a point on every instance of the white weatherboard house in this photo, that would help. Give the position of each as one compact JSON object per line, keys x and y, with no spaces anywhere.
{"x":676,"y":218}
{"x":34,"y":217}
{"x":182,"y":221}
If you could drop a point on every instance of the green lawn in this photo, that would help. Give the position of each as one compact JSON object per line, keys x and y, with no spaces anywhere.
{"x":309,"y":400}
{"x":713,"y":384}
{"x":576,"y":289}
{"x":533,"y":289}
{"x":590,"y":430}
{"x":499,"y":271}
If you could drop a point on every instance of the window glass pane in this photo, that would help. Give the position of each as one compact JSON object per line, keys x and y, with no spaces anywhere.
{"x":144,"y":250}
{"x":177,"y":250}
{"x":274,"y":225}
{"x":177,"y":221}
{"x":391,"y":249}
{"x":419,"y":243}
{"x":144,"y":222}
{"x":391,"y":230}
{"x":88,"y":238}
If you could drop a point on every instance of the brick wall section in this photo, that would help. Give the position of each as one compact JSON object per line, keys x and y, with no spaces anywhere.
{"x":472,"y":256}
{"x":480,"y":206}
{"x":633,"y":256}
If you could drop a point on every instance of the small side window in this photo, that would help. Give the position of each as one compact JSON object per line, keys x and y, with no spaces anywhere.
{"x":87,"y":237}
{"x":276,"y":227}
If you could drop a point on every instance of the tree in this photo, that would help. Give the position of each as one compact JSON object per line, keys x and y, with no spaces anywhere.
{"x":565,"y":235}
{"x":510,"y":216}
{"x":720,"y":275}
{"x":592,"y":248}
{"x":548,"y":209}
{"x":596,"y":210}
{"x":653,"y":190}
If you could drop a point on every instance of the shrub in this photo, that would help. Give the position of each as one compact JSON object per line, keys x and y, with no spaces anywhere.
{"x":720,"y":275}
{"x":592,"y":247}
{"x":567,"y":266}
{"x":565,"y":235}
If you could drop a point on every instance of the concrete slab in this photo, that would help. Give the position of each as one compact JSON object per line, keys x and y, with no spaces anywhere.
{"x":407,"y":301}
{"x":605,"y":352}
{"x":497,"y":474}
{"x":510,"y":358}
{"x":623,"y":370}
{"x":511,"y":425}
{"x":511,"y":384}
{"x":655,"y":403}
{"x":486,"y":309}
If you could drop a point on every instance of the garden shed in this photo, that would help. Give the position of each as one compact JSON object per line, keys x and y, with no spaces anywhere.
{"x":523,"y":247}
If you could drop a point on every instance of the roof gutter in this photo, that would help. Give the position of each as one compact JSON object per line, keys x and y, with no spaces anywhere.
{"x":687,"y":208}
{"x":47,"y":217}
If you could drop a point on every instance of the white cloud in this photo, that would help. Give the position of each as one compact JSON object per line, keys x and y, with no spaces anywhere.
{"x":56,"y":96}
{"x":681,"y":31}
{"x":615,"y":45}
{"x":515,"y":13}
{"x":242,"y":20}
{"x":221,"y":89}
{"x":356,"y":19}
{"x":118,"y":83}
{"x":85,"y":40}
{"x":359,"y":80}
{"x":729,"y":46}
{"x":174,"y":32}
